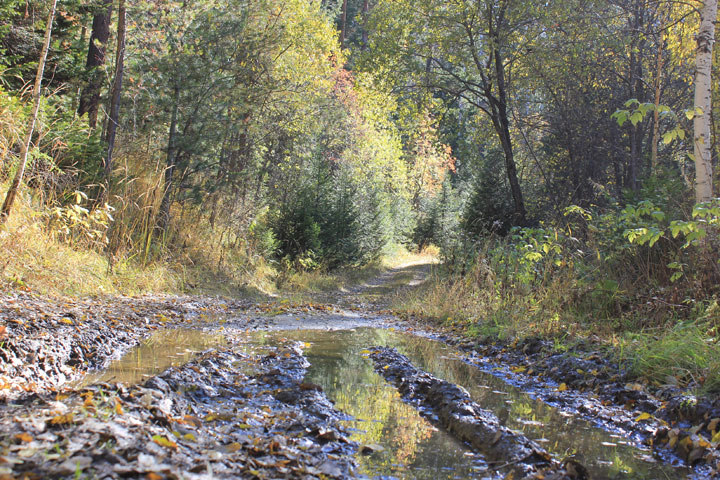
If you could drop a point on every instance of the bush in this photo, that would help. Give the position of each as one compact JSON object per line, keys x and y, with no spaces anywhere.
{"x":335,"y":223}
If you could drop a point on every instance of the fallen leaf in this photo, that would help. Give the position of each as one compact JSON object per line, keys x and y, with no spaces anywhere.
{"x":233,"y":447}
{"x":164,"y":442}
{"x":643,"y":416}
{"x":118,"y":407}
{"x":562,"y":387}
{"x":62,"y":419}
{"x":713,"y":425}
{"x":24,"y":437}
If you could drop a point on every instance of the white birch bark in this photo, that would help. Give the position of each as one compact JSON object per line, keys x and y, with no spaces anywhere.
{"x":12,"y":191}
{"x":701,"y":120}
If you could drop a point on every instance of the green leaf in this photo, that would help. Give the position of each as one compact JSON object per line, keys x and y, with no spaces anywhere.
{"x":636,"y":118}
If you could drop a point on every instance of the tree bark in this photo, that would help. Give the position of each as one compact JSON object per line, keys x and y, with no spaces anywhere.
{"x":703,"y":102}
{"x":164,"y":217}
{"x":502,"y":127}
{"x":90,"y":96}
{"x":343,"y":24}
{"x":116,"y":89}
{"x":24,"y":149}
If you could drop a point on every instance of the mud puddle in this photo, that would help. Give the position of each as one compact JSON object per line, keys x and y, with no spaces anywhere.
{"x":413,"y":448}
{"x":163,"y":349}
{"x":396,"y":441}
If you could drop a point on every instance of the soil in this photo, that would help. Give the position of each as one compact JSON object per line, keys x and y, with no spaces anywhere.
{"x":49,"y":429}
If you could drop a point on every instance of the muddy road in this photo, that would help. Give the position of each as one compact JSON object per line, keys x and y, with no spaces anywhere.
{"x":192,"y":387}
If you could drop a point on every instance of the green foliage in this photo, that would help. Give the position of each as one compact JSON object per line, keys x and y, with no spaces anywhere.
{"x":490,"y":208}
{"x":331,"y":224}
{"x":84,"y":227}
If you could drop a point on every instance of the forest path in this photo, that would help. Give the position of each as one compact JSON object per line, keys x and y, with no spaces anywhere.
{"x":289,"y":390}
{"x":361,"y":305}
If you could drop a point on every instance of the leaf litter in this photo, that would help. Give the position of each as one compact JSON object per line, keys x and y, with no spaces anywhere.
{"x":206,"y":419}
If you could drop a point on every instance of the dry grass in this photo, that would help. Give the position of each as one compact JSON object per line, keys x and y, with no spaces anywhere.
{"x":33,"y":259}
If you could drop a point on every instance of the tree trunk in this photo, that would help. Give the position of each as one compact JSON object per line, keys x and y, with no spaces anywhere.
{"x":637,"y":46}
{"x":12,"y":191}
{"x":657,"y":84}
{"x":656,"y":113}
{"x":116,"y":89}
{"x":164,"y":217}
{"x":343,"y":25}
{"x":701,"y":121}
{"x":90,"y":96}
{"x":366,"y":15}
{"x":503,"y":130}
{"x":502,"y":126}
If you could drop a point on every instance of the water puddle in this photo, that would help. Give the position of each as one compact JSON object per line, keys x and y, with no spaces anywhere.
{"x":415,"y":449}
{"x":397,"y":441}
{"x":164,"y":349}
{"x":406,"y":446}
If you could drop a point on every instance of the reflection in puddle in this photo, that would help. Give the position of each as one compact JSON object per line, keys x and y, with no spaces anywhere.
{"x":398,"y":442}
{"x":164,"y":349}
{"x":415,"y":449}
{"x":403,"y":444}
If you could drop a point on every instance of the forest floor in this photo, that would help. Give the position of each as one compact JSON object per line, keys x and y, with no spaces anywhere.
{"x":262,"y":389}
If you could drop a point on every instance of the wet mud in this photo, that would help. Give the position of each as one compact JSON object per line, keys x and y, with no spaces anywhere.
{"x":206,"y":419}
{"x":55,"y":417}
{"x":451,"y":407}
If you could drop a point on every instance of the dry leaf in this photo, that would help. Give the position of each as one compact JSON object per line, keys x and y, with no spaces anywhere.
{"x":62,"y":419}
{"x":164,"y":442}
{"x":643,"y":416}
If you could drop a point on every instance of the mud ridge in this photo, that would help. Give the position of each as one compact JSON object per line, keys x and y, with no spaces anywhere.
{"x":46,"y":342}
{"x":451,"y":407}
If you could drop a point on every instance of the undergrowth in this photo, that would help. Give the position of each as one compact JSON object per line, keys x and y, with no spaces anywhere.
{"x":642,"y":285}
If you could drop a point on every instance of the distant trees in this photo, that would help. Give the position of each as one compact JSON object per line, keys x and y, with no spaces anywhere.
{"x":317,"y":123}
{"x":464,"y":50}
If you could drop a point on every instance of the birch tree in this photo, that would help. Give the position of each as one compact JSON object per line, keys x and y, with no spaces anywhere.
{"x":12,"y":191}
{"x":702,"y":115}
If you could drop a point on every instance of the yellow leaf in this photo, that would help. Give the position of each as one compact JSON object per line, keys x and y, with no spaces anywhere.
{"x":562,"y":387}
{"x":118,"y":407}
{"x":519,"y":369}
{"x":62,"y":419}
{"x":386,"y":367}
{"x":702,"y":443}
{"x":365,"y":352}
{"x":643,"y":416}
{"x":153,"y":476}
{"x":164,"y":442}
{"x":233,"y":447}
{"x":716,"y":438}
{"x":24,"y":437}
